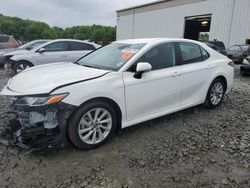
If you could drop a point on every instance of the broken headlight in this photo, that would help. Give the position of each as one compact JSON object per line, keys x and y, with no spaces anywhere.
{"x":39,"y":101}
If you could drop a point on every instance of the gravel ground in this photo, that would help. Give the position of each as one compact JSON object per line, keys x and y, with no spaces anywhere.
{"x":197,"y":147}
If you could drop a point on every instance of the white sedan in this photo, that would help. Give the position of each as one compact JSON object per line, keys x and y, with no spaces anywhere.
{"x":119,"y":85}
{"x":67,"y":50}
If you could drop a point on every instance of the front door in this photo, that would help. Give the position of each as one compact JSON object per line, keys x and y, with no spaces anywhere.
{"x":159,"y":89}
{"x":54,"y":52}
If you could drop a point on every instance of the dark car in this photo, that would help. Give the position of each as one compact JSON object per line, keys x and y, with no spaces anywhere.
{"x":218,"y":44}
{"x":8,"y":42}
{"x":216,"y":48}
{"x":245,"y":70}
{"x":238,"y":52}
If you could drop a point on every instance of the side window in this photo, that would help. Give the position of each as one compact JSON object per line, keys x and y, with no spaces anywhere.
{"x":235,"y":49}
{"x":159,"y":57}
{"x":191,"y":53}
{"x":204,"y":53}
{"x":57,"y":46}
{"x":77,"y":46}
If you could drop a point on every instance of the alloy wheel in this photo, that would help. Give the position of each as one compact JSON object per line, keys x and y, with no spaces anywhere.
{"x":216,"y":93}
{"x":95,"y":126}
{"x":21,"y":67}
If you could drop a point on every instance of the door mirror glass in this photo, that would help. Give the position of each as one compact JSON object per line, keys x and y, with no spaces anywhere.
{"x":41,"y":50}
{"x":141,"y":68}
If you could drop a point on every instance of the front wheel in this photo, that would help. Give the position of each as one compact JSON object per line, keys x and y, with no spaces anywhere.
{"x":21,"y":66}
{"x":92,"y":125}
{"x":215,"y":93}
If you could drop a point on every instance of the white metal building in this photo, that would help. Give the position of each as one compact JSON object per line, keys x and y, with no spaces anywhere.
{"x":225,"y":20}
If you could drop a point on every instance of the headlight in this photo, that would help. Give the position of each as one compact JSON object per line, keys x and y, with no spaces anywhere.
{"x":40,"y":101}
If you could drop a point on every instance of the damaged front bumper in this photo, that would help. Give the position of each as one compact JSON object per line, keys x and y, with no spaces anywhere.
{"x":38,"y":127}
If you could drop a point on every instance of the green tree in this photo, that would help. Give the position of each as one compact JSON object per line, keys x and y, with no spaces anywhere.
{"x":27,"y":30}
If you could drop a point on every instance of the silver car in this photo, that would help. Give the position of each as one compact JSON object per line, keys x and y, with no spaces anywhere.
{"x":60,"y":50}
{"x":21,"y":49}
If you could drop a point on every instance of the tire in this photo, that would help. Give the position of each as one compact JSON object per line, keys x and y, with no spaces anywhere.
{"x":21,"y":66}
{"x":215,"y":95}
{"x":81,"y":130}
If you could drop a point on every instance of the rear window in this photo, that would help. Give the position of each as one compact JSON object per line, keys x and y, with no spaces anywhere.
{"x":77,"y":46}
{"x":4,"y":38}
{"x":192,"y":53}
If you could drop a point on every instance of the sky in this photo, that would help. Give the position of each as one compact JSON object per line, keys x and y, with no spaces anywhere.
{"x":67,"y":13}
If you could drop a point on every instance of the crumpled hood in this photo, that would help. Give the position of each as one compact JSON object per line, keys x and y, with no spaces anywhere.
{"x":43,"y":79}
{"x":17,"y":52}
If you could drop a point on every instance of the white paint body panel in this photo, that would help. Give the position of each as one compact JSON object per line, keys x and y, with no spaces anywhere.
{"x":157,"y":93}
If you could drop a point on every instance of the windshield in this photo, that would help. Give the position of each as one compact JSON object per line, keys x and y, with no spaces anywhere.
{"x":32,"y":44}
{"x":111,"y":57}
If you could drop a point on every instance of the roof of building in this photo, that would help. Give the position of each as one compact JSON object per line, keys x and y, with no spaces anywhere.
{"x":142,"y":5}
{"x":160,"y":4}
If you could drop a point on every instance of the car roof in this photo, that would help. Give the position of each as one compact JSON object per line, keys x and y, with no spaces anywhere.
{"x":62,"y":40}
{"x":155,"y":40}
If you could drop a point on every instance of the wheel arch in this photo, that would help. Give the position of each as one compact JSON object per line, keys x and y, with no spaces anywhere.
{"x":223,"y":78}
{"x":110,"y":102}
{"x":220,"y":76}
{"x":19,"y":61}
{"x":24,"y":60}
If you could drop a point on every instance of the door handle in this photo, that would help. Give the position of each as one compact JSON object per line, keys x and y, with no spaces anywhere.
{"x":176,"y":74}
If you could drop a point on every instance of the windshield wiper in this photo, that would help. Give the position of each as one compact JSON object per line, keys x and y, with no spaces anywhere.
{"x":90,"y":66}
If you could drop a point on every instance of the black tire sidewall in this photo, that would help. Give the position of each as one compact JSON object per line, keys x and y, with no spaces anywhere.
{"x":208,"y":102}
{"x":75,"y":119}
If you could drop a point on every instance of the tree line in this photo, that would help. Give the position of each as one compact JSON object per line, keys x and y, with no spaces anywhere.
{"x":27,"y":30}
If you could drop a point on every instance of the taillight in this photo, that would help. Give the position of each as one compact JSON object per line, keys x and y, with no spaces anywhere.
{"x":231,"y":63}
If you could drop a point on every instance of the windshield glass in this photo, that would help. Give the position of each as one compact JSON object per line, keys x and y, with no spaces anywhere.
{"x":111,"y":57}
{"x":31,"y":45}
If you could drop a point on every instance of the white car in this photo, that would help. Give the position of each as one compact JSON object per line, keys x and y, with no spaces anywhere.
{"x":67,"y":50}
{"x":7,"y":53}
{"x":119,"y":85}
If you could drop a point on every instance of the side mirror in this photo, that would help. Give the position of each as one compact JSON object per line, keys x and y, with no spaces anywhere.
{"x":141,"y":68}
{"x":41,"y":50}
{"x":29,"y":48}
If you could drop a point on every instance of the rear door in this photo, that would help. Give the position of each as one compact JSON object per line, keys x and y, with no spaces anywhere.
{"x":54,"y":52}
{"x":196,"y":71}
{"x":78,"y":50}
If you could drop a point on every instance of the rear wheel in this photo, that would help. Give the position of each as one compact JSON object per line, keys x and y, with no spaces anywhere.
{"x":92,"y":125}
{"x":215,"y":93}
{"x":21,"y":66}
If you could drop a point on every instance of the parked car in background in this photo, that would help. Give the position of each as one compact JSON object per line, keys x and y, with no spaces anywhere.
{"x":60,"y":50}
{"x":216,"y":48}
{"x":245,"y":70}
{"x":7,"y":41}
{"x":119,"y":85}
{"x":246,"y":61}
{"x":238,"y":52}
{"x":218,"y":43}
{"x":5,"y":53}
